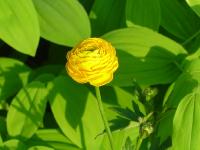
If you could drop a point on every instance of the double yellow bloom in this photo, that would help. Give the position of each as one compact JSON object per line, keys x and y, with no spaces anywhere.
{"x":93,"y":60}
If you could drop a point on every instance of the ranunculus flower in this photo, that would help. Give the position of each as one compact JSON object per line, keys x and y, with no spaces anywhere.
{"x":93,"y":60}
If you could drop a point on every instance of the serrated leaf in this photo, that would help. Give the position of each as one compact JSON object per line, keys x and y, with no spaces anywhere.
{"x":26,"y":110}
{"x":63,"y":22}
{"x":75,"y":110}
{"x":195,"y":5}
{"x":137,"y":12}
{"x":19,"y":25}
{"x":152,"y":58}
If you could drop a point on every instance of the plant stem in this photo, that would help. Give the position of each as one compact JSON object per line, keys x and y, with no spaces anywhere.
{"x":101,"y":109}
{"x":139,"y":142}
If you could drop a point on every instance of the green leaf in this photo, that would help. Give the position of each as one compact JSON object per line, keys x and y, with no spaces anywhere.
{"x":63,"y":22}
{"x":75,"y":109}
{"x":165,"y":126}
{"x":151,"y":58}
{"x":19,"y":25}
{"x":26,"y":110}
{"x":52,"y":138}
{"x":40,"y":148}
{"x":144,"y":13}
{"x":13,"y":75}
{"x":195,"y":5}
{"x":186,"y":121}
{"x":14,"y":145}
{"x":174,"y":16}
{"x":104,"y":19}
{"x":120,"y":136}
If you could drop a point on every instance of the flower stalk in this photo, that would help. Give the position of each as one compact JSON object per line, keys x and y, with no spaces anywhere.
{"x":101,"y":109}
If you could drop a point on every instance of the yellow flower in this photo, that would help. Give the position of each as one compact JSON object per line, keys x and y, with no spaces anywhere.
{"x":93,"y":60}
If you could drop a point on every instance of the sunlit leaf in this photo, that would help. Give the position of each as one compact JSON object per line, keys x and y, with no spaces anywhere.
{"x":13,"y":75}
{"x":75,"y":110}
{"x":19,"y":25}
{"x":145,"y":56}
{"x":63,"y":22}
{"x":26,"y":110}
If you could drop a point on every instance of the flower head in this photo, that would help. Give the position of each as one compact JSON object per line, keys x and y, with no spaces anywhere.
{"x":93,"y":60}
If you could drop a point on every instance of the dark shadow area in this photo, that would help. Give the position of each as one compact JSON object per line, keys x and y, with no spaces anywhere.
{"x":158,"y":66}
{"x":32,"y":109}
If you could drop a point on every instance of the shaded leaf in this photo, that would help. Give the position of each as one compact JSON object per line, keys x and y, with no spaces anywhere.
{"x":151,"y":57}
{"x":13,"y":75}
{"x":174,"y":16}
{"x":144,"y":13}
{"x":40,"y":148}
{"x":75,"y":110}
{"x":19,"y":25}
{"x":26,"y":110}
{"x":104,"y":19}
{"x":51,"y":138}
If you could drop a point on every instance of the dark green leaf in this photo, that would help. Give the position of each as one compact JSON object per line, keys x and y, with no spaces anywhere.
{"x":151,"y":58}
{"x":19,"y":25}
{"x":26,"y":110}
{"x":144,"y":13}
{"x":178,"y":19}
{"x":107,"y":15}
{"x":63,"y":22}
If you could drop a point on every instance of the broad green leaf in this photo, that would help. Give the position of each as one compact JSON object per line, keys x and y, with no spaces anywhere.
{"x":76,"y":112}
{"x":178,"y":19}
{"x":165,"y":126}
{"x":120,"y":136}
{"x":26,"y":110}
{"x":107,"y":15}
{"x":195,"y":5}
{"x":63,"y":22}
{"x":121,"y":97}
{"x":40,"y":148}
{"x":52,"y":138}
{"x":14,"y":145}
{"x":145,"y":56}
{"x":13,"y":75}
{"x":186,"y":121}
{"x":143,"y":12}
{"x":19,"y":25}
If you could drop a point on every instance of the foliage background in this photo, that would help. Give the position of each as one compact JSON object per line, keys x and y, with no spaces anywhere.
{"x":156,"y":86}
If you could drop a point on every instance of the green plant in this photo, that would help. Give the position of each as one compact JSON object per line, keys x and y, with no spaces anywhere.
{"x":152,"y":102}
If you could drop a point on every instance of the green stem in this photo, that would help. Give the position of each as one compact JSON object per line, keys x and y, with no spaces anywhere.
{"x":98,"y":94}
{"x":139,"y":142}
